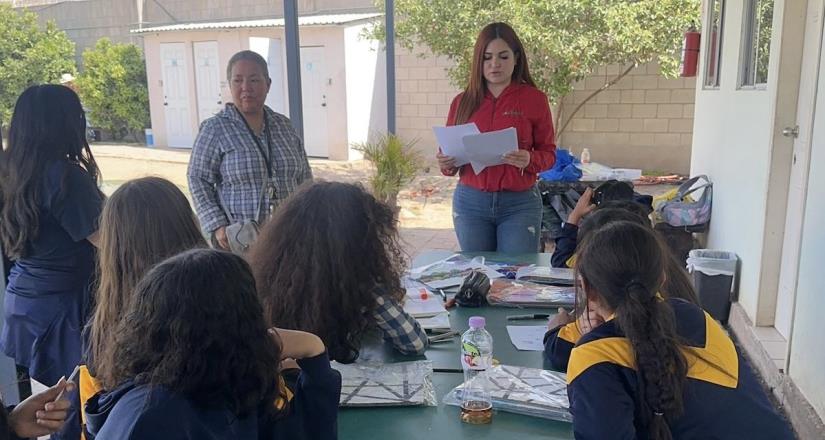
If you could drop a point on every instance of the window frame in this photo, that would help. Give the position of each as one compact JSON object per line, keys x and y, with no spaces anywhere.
{"x":748,"y":52}
{"x":716,"y":54}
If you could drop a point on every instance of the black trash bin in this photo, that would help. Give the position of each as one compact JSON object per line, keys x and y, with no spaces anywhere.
{"x":713,"y":273}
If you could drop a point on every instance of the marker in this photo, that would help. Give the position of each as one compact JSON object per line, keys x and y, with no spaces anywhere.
{"x":528,"y":317}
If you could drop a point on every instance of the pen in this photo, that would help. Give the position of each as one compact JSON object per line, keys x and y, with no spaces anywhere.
{"x":443,"y":295}
{"x":444,"y":337}
{"x":528,"y":317}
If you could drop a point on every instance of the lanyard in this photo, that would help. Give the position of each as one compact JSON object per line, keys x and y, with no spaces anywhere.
{"x":264,"y":153}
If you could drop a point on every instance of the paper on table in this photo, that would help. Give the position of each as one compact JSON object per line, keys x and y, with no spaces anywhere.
{"x":451,"y":141}
{"x":527,"y":337}
{"x":439,"y":322}
{"x":486,"y":149}
{"x":423,"y":308}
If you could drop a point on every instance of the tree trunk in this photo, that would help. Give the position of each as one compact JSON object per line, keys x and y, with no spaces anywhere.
{"x":592,"y":95}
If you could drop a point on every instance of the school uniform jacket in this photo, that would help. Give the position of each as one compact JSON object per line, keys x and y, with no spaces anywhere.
{"x":558,"y":343}
{"x":722,"y":397}
{"x":142,"y":412}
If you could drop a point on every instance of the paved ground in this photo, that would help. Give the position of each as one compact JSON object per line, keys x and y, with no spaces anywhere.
{"x":426,"y":204}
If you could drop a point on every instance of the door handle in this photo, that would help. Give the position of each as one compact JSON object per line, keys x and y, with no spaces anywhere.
{"x":323,"y":104}
{"x":791,"y":131}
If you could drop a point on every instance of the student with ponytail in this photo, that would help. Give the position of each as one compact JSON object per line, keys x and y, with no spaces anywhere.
{"x":656,"y":368}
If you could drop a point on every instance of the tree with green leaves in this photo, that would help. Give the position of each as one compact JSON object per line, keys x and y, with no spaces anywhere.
{"x":113,"y":88}
{"x":29,"y":54}
{"x":566,"y":40}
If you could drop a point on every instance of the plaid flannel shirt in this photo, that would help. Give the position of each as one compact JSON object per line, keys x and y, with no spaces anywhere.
{"x":398,"y":327}
{"x":227,"y":173}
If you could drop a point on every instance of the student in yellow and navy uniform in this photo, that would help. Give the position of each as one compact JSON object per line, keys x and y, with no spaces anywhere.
{"x":193,"y":359}
{"x":145,"y":221}
{"x":566,"y":329}
{"x":657,"y":368}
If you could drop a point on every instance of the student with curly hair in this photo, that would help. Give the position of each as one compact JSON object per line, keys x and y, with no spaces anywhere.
{"x":656,"y":368}
{"x":145,"y":221}
{"x":329,"y":263}
{"x":193,"y":359}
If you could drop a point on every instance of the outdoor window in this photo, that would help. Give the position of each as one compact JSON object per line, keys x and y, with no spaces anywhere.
{"x":756,"y":42}
{"x":713,"y":47}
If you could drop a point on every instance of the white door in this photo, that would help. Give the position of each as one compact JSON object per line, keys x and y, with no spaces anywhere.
{"x":207,"y":78}
{"x":314,"y":89}
{"x":812,"y":78}
{"x":176,"y":95}
{"x":272,"y":51}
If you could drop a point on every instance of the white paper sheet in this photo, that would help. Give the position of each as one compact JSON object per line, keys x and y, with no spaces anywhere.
{"x":527,"y":337}
{"x":451,"y":141}
{"x":440,"y":321}
{"x":486,"y":149}
{"x":423,"y":308}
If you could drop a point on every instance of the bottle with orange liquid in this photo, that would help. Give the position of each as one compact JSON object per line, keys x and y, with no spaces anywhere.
{"x":476,"y":357}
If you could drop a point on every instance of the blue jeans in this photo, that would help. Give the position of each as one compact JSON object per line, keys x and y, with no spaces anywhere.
{"x":505,"y":221}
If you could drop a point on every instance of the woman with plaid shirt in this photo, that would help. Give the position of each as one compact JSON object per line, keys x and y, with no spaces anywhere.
{"x":329,"y":263}
{"x":247,"y":158}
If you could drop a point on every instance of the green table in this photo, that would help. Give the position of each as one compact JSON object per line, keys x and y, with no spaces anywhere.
{"x":442,"y":422}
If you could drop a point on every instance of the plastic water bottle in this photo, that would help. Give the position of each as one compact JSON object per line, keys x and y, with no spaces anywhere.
{"x":476,"y":357}
{"x":585,"y":155}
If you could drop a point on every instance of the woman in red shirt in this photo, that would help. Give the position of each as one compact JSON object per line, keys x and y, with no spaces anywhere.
{"x":499,"y":209}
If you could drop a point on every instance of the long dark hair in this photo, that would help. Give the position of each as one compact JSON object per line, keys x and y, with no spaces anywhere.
{"x":145,"y":221}
{"x":196,"y":327}
{"x":323,"y":260}
{"x":476,"y":84}
{"x":676,"y":283}
{"x":48,"y":124}
{"x":623,"y":264}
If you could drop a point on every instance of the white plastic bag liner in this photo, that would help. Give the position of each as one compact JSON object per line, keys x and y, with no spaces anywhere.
{"x":521,"y":390}
{"x":712,"y":262}
{"x":397,"y":384}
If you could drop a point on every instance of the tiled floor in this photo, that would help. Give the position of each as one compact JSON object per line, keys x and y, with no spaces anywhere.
{"x":774,"y":343}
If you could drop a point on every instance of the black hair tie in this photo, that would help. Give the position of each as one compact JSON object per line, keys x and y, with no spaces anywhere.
{"x":634,"y":284}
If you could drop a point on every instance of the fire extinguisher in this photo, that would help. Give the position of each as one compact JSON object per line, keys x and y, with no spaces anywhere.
{"x":690,"y":53}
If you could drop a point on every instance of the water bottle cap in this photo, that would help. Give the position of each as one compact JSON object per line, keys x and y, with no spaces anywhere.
{"x":477,"y":322}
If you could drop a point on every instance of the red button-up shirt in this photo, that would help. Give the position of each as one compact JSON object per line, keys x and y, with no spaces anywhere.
{"x":526,"y":108}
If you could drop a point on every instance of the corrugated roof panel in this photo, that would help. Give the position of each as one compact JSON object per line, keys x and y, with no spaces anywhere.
{"x":310,"y":20}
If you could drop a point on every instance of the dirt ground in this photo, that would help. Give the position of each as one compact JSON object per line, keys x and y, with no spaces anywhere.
{"x":426,"y":204}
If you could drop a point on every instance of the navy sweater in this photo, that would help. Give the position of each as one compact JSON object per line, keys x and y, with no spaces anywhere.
{"x":723,"y":398}
{"x":143,"y":412}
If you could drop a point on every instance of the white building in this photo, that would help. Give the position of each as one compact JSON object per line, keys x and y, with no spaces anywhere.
{"x":764,"y":80}
{"x":343,"y":77}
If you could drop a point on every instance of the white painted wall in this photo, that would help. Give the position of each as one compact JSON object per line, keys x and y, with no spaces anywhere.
{"x":233,"y":40}
{"x":366,"y":88}
{"x":732,"y":134}
{"x":807,"y":358}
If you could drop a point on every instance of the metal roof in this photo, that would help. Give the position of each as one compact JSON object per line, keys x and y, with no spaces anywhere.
{"x":310,"y":20}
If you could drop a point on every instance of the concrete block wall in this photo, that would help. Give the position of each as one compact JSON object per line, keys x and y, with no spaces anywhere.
{"x":423,"y":97}
{"x":643,"y":121}
{"x":85,"y":22}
